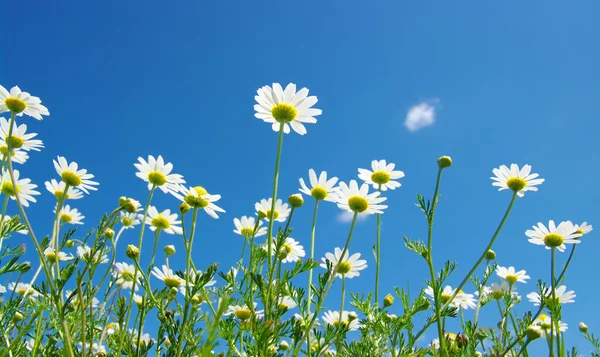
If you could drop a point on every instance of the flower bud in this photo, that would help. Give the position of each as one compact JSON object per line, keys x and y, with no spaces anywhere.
{"x":128,"y":204}
{"x":296,"y":200}
{"x":17,"y":317}
{"x":70,"y":243}
{"x":132,"y":251}
{"x":583,"y":327}
{"x":284,"y":346}
{"x":25,"y":267}
{"x":388,"y":300}
{"x":184,"y":208}
{"x":352,"y":316}
{"x":173,"y":292}
{"x":533,"y":332}
{"x":109,"y":233}
{"x":169,"y":250}
{"x":490,"y":255}
{"x":444,"y":161}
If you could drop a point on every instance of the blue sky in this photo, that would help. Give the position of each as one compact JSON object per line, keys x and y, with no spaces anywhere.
{"x":511,"y":82}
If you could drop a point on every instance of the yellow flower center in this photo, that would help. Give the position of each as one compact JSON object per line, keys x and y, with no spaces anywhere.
{"x":512,"y":279}
{"x":516,"y":183}
{"x":4,"y":151}
{"x":243,"y":314}
{"x":9,"y":190}
{"x":51,"y":256}
{"x":319,"y":193}
{"x":283,"y":307}
{"x":553,"y":240}
{"x":160,"y":222}
{"x":445,"y":297}
{"x":544,"y":322}
{"x":358,"y":204}
{"x":247,"y":232}
{"x":381,"y":177}
{"x":284,"y":113}
{"x":579,"y":231}
{"x":497,"y":295}
{"x":15,"y":105}
{"x":343,"y":268}
{"x":21,"y":291}
{"x":59,"y":194}
{"x":157,"y":178}
{"x":126,"y":221}
{"x":127,"y":275}
{"x":197,"y":299}
{"x":16,"y":142}
{"x":336,"y":323}
{"x":284,"y":251}
{"x":172,"y":282}
{"x":275,"y":214}
{"x":197,"y":201}
{"x":65,"y":217}
{"x":71,"y":178}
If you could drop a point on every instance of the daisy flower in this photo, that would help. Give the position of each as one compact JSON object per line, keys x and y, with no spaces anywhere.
{"x":165,"y":221}
{"x":166,"y":275}
{"x":58,"y":189}
{"x":290,"y":251}
{"x":321,"y":188}
{"x":195,"y":273}
{"x":24,"y":188}
{"x":21,"y":103}
{"x":85,"y":253}
{"x":511,"y":275}
{"x":285,"y":303}
{"x":333,"y":318}
{"x":24,"y":289}
{"x":54,"y":257}
{"x":70,"y":215}
{"x":553,"y":236}
{"x":282,"y":210}
{"x":497,"y":291}
{"x":358,"y":200}
{"x":545,"y":322}
{"x":2,"y":289}
{"x":9,"y":218}
{"x":583,"y":229}
{"x":562,"y":295}
{"x":145,"y":339}
{"x":157,"y":173}
{"x":518,"y":180}
{"x":382,"y":176}
{"x":73,"y":176}
{"x":17,"y":156}
{"x":138,"y":300}
{"x":129,"y":220}
{"x":277,"y":106}
{"x":111,"y":328}
{"x":197,"y":197}
{"x":75,"y":299}
{"x":20,"y":139}
{"x":348,"y":268}
{"x":244,"y":312}
{"x":245,"y":227}
{"x":125,"y":275}
{"x":461,"y":300}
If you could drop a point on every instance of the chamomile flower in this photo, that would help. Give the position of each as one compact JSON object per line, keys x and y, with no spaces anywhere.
{"x":129,"y":220}
{"x":497,"y":291}
{"x":2,"y":289}
{"x":17,"y":156}
{"x":85,"y":253}
{"x":125,"y":275}
{"x":197,"y":197}
{"x":21,"y":103}
{"x":280,"y":214}
{"x":511,"y":275}
{"x":138,"y":300}
{"x":23,"y":187}
{"x":70,"y":215}
{"x":73,"y":176}
{"x":111,"y":328}
{"x":165,"y":221}
{"x":245,"y":227}
{"x":24,"y":289}
{"x":545,"y":322}
{"x":58,"y":189}
{"x":344,"y":267}
{"x":333,"y":318}
{"x":277,"y":106}
{"x":168,"y":277}
{"x":515,"y":179}
{"x":195,"y":273}
{"x":286,"y":303}
{"x":9,"y":218}
{"x":157,"y":173}
{"x":562,"y":295}
{"x":243,"y":312}
{"x":144,"y":338}
{"x":321,"y":188}
{"x":583,"y":229}
{"x":54,"y":257}
{"x":291,"y":251}
{"x":461,"y":300}
{"x":75,"y":299}
{"x":553,"y":236}
{"x":382,"y":176}
{"x":358,"y":200}
{"x":20,"y":139}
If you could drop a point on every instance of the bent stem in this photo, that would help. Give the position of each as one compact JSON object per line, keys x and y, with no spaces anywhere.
{"x":312,"y":254}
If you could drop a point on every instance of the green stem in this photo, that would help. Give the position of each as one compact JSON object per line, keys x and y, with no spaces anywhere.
{"x":555,"y":323}
{"x":378,"y":254}
{"x":4,"y":205}
{"x":187,"y":286}
{"x":312,"y":254}
{"x":561,"y":277}
{"x":156,"y":234}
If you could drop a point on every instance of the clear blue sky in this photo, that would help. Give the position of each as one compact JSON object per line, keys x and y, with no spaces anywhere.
{"x":516,"y":82}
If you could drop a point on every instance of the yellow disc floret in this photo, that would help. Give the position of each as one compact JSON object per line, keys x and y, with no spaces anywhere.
{"x":15,"y":105}
{"x":343,"y":268}
{"x":157,"y":178}
{"x":59,"y":194}
{"x":358,"y":204}
{"x":160,"y":222}
{"x":16,"y":142}
{"x":243,"y":314}
{"x":9,"y":190}
{"x":247,"y":232}
{"x":516,"y":183}
{"x":197,"y":201}
{"x":65,"y":217}
{"x":553,"y":240}
{"x":512,"y":279}
{"x":275,"y":214}
{"x":71,"y":178}
{"x":381,"y":177}
{"x":284,"y":113}
{"x":172,"y":282}
{"x":319,"y":193}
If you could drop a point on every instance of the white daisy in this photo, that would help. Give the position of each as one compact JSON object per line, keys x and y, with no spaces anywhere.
{"x":290,"y":252}
{"x":348,"y":268}
{"x":20,"y":138}
{"x":462,"y":300}
{"x":58,"y":189}
{"x":125,"y":275}
{"x":168,"y":277}
{"x":194,"y":273}
{"x":143,"y":338}
{"x":497,"y":291}
{"x":165,"y":221}
{"x":263,"y":209}
{"x":243,"y":312}
{"x":288,"y":107}
{"x":197,"y":197}
{"x":553,"y":236}
{"x":85,"y":253}
{"x":286,"y":303}
{"x":9,"y":218}
{"x":383,"y":175}
{"x":129,"y":220}
{"x":21,"y":103}
{"x":354,"y":199}
{"x":54,"y":257}
{"x":73,"y":176}
{"x":511,"y":275}
{"x":333,"y":318}
{"x":75,"y":299}
{"x":24,"y":289}
{"x":138,"y":300}
{"x":111,"y":328}
{"x":562,"y":295}
{"x":321,"y":188}
{"x":245,"y":227}
{"x":17,"y":156}
{"x":156,"y":172}
{"x":583,"y":229}
{"x":518,"y":180}
{"x":24,"y":188}
{"x":545,"y":322}
{"x":2,"y":289}
{"x":70,"y":215}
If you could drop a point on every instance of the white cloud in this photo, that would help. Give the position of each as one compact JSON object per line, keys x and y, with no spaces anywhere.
{"x":420,"y":116}
{"x":346,"y":217}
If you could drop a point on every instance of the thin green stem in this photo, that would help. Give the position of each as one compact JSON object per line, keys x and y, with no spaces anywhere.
{"x":378,"y":254}
{"x":312,"y":254}
{"x":561,"y":277}
{"x":156,"y":235}
{"x":555,"y":323}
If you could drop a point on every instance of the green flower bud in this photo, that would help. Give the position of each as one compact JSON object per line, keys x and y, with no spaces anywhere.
{"x":109,"y":233}
{"x":284,"y":346}
{"x":184,"y":208}
{"x":490,"y":255}
{"x":583,"y":327}
{"x":296,"y":200}
{"x":388,"y":300}
{"x":70,"y":243}
{"x":444,"y":162}
{"x":533,"y":332}
{"x":169,"y":250}
{"x":132,"y":251}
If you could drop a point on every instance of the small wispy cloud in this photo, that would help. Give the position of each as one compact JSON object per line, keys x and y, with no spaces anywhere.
{"x":421,"y":115}
{"x":346,"y":217}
